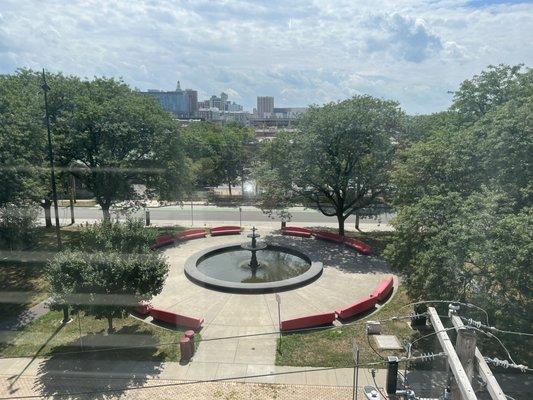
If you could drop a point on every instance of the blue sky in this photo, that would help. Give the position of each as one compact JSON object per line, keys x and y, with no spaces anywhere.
{"x":301,"y":52}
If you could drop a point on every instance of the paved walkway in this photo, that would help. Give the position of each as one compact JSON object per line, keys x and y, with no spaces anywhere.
{"x":347,"y":276}
{"x":25,"y":317}
{"x":142,"y":380}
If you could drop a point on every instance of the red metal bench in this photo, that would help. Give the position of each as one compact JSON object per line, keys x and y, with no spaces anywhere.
{"x":359,"y":307}
{"x":296,"y":231}
{"x":384,"y":289}
{"x":331,"y":237}
{"x":162,"y":240}
{"x":190,"y":234}
{"x":176,"y":319}
{"x":226,"y":230}
{"x":356,"y":244}
{"x":143,"y":307}
{"x":308,"y":321}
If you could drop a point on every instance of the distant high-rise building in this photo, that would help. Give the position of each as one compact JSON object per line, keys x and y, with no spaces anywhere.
{"x":265,"y":106}
{"x":192,"y":101}
{"x":182,"y":103}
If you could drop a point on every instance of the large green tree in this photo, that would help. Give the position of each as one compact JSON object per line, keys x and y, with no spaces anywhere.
{"x":463,"y":200}
{"x":118,"y":138}
{"x":220,"y":153}
{"x":23,"y":142}
{"x":338,"y":160}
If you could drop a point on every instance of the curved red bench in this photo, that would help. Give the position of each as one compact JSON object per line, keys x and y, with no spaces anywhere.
{"x":143,"y":307}
{"x":296,"y":231}
{"x":190,"y":234}
{"x":162,"y":240}
{"x":356,"y":244}
{"x":384,"y":289}
{"x":308,"y":321}
{"x":331,"y":237}
{"x":225,"y":230}
{"x":176,"y":319}
{"x":359,"y":307}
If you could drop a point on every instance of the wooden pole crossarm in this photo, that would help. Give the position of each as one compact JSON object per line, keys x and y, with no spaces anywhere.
{"x":486,"y":374}
{"x":465,"y":388}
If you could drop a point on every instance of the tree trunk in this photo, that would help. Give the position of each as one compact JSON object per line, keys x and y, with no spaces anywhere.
{"x":71,"y":199}
{"x":110,"y":325}
{"x":341,"y":219}
{"x":357,"y":221}
{"x":229,"y":187}
{"x":46,"y":205}
{"x":105,"y":211}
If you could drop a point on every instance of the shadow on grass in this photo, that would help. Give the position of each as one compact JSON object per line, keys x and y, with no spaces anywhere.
{"x":107,"y":365}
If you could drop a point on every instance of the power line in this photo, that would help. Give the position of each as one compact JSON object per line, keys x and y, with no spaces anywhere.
{"x":469,"y":305}
{"x":479,"y":324}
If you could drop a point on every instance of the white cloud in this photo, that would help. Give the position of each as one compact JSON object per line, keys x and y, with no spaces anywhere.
{"x":405,"y":50}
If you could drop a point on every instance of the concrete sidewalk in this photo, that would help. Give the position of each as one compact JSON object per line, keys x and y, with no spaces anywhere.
{"x":27,"y":376}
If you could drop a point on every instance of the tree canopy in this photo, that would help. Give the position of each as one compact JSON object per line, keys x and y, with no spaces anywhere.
{"x":463,"y":200}
{"x":338,"y":160}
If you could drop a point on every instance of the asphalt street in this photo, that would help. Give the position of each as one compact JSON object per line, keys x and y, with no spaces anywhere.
{"x":189,"y":215}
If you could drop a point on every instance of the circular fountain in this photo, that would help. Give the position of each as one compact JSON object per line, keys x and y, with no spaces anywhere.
{"x":252,"y":267}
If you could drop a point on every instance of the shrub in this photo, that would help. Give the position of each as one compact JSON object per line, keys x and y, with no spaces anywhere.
{"x":17,"y":226}
{"x":130,"y":236}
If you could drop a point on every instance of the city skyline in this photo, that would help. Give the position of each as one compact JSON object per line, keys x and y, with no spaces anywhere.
{"x":309,"y":53}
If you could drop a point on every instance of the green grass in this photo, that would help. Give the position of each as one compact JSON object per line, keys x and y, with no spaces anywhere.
{"x":333,"y":347}
{"x":23,"y":271}
{"x":133,"y":340}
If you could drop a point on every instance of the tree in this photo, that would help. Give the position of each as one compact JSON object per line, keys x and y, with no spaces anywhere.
{"x":491,"y":88}
{"x":219,"y":152}
{"x":111,"y":271}
{"x":23,"y":145}
{"x":123,"y":138}
{"x":338,"y":160}
{"x":463,"y":201}
{"x":105,"y":285}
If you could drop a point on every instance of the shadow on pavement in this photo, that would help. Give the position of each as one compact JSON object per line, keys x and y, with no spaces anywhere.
{"x":107,"y":366}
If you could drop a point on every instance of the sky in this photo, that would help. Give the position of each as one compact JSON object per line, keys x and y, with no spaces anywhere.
{"x":301,"y":52}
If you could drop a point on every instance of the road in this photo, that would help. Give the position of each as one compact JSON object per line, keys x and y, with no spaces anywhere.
{"x":208,"y":215}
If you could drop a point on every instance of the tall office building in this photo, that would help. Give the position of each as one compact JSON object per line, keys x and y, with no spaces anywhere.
{"x":192,"y":101}
{"x":183,"y":103}
{"x":265,"y":106}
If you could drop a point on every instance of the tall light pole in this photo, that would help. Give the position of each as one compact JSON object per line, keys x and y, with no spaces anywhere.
{"x":46,"y":88}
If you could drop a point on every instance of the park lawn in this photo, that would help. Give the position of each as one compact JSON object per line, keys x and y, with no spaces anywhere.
{"x":133,"y":340}
{"x":332,"y":347}
{"x":22,"y":271}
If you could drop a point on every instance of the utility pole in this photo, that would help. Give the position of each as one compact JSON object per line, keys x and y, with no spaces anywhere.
{"x":46,"y":88}
{"x":493,"y":387}
{"x":465,"y":390}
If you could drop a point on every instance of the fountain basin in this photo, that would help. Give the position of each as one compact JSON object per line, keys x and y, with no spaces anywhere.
{"x":226,"y":268}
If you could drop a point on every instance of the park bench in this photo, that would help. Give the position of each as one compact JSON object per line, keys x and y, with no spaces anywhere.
{"x":331,"y":237}
{"x":309,"y":321}
{"x":226,"y":230}
{"x":176,"y":319}
{"x":296,"y":231}
{"x":162,"y":240}
{"x":360,"y":306}
{"x":143,"y":307}
{"x":190,"y":234}
{"x":356,"y":244}
{"x":384,"y":289}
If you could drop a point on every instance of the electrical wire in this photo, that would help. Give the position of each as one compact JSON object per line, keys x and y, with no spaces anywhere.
{"x":373,"y":374}
{"x":479,"y":324}
{"x":302,"y":330}
{"x":470,"y":305}
{"x":162,"y":385}
{"x":494,"y":337}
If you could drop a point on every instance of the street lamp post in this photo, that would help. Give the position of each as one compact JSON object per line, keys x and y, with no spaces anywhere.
{"x":46,"y":88}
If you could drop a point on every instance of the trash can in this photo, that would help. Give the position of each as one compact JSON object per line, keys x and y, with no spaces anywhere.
{"x":190,"y":334}
{"x":185,"y":348}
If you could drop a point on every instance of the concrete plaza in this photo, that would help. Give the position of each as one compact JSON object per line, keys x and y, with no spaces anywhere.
{"x":231,"y":318}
